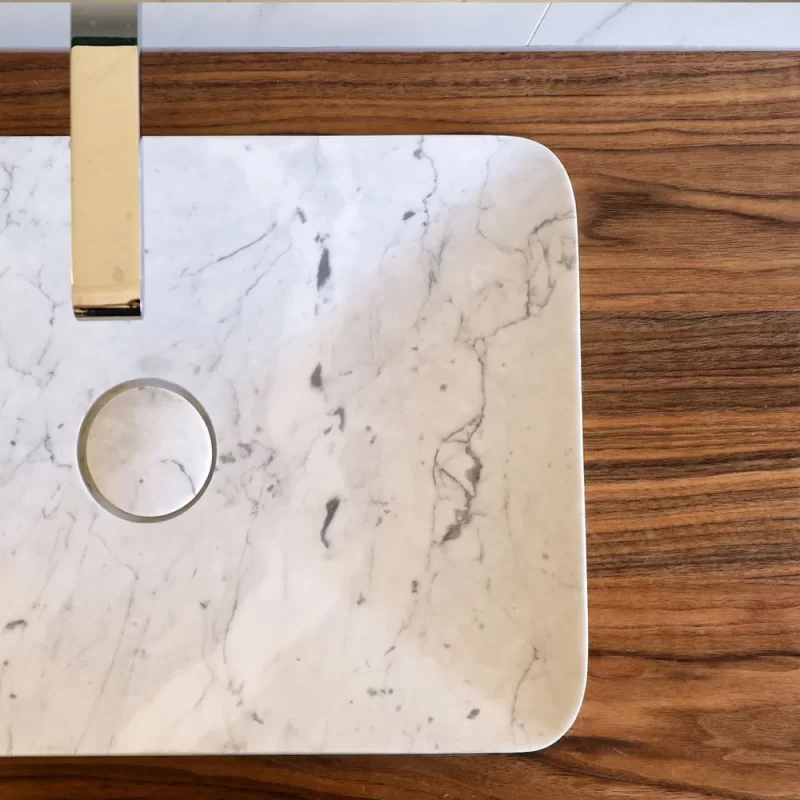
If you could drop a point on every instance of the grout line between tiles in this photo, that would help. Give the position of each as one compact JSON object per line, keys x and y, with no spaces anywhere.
{"x":538,"y":25}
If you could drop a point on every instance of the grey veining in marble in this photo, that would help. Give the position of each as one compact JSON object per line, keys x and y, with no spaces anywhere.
{"x":390,"y":555}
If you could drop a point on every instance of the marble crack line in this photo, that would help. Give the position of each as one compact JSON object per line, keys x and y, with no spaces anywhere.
{"x":406,"y":623}
{"x":539,"y":227}
{"x":483,"y":207}
{"x":464,"y":435}
{"x":183,"y":472}
{"x":113,"y":555}
{"x":533,"y":307}
{"x":434,"y":273}
{"x":237,"y":406}
{"x":41,"y":381}
{"x":112,"y":663}
{"x":436,"y":256}
{"x":264,"y":273}
{"x":236,"y":312}
{"x":317,"y":169}
{"x":240,"y":572}
{"x":23,"y":462}
{"x":9,"y":171}
{"x":188,"y":272}
{"x":47,"y":444}
{"x":602,"y":24}
{"x":126,"y":687}
{"x":386,"y":250}
{"x":515,"y":700}
{"x":261,"y":473}
{"x":38,"y":284}
{"x":51,"y":568}
{"x":420,"y":153}
{"x":7,"y":223}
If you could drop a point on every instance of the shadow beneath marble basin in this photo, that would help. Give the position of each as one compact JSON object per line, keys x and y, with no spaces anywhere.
{"x":390,"y":556}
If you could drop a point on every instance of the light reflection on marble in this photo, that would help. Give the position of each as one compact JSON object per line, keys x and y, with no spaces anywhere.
{"x":390,"y":556}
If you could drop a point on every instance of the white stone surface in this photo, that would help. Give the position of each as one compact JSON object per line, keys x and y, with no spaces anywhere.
{"x":269,"y":26}
{"x":390,"y":556}
{"x":709,"y":26}
{"x":339,"y":25}
{"x":266,"y":26}
{"x":34,"y":26}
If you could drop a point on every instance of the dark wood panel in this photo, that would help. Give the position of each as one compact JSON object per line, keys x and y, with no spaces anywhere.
{"x":692,"y":443}
{"x":686,"y":169}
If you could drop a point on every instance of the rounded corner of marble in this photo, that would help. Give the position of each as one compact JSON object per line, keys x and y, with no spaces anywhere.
{"x":540,"y":149}
{"x":564,"y":725}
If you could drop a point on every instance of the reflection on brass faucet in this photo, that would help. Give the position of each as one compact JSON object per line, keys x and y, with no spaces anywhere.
{"x":106,"y":183}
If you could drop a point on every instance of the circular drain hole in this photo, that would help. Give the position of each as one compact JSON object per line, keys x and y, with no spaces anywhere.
{"x":146,"y":450}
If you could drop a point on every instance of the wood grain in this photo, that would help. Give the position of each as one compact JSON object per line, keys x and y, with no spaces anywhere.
{"x":686,"y":168}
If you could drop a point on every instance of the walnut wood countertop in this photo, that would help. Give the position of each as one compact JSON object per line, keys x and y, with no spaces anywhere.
{"x":686,"y":168}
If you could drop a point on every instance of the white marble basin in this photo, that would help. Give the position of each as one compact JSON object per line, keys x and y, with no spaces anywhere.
{"x":390,"y":554}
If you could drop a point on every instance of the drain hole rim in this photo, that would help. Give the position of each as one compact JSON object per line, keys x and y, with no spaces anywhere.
{"x":83,"y":438}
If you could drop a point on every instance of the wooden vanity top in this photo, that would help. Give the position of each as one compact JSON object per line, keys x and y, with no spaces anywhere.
{"x":686,"y":168}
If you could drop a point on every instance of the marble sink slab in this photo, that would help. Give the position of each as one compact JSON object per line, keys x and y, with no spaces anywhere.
{"x":390,"y":555}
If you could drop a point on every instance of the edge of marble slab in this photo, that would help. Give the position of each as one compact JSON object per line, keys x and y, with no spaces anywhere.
{"x":578,"y":366}
{"x":570,"y":719}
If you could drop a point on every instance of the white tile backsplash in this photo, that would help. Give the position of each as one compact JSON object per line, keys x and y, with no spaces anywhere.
{"x":735,"y":26}
{"x":339,"y":25}
{"x":266,"y":26}
{"x":34,"y":26}
{"x":360,"y":26}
